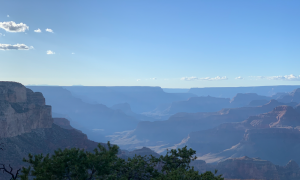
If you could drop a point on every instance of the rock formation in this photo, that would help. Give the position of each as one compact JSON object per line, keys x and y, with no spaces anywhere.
{"x":273,"y":136}
{"x":22,"y":110}
{"x":245,"y":168}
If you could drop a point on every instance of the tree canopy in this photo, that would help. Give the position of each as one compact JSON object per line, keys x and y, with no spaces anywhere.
{"x":103,"y":163}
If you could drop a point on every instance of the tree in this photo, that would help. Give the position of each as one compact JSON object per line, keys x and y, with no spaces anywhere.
{"x":176,"y":165}
{"x":72,"y":164}
{"x":5,"y":170}
{"x":76,"y":164}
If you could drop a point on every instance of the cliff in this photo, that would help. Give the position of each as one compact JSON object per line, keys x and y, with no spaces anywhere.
{"x":273,"y":136}
{"x":294,"y":96}
{"x":246,"y":168}
{"x":22,"y":110}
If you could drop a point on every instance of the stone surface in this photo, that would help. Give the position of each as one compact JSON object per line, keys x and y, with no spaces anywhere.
{"x":248,"y":168}
{"x":63,"y":123}
{"x":245,"y":168}
{"x":22,"y":110}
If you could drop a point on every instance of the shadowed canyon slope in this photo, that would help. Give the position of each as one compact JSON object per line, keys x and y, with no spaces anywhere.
{"x":273,"y":136}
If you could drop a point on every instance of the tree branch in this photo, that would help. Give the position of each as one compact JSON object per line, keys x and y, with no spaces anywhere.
{"x":13,"y":177}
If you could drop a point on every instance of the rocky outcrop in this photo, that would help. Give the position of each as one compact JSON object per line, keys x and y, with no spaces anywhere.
{"x":248,"y":168}
{"x":281,"y":116}
{"x":63,"y":123}
{"x":22,"y":110}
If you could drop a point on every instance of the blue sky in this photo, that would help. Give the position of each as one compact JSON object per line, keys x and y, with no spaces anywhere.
{"x":167,"y":43}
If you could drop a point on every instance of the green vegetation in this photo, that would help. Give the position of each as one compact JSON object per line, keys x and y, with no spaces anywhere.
{"x":103,"y":163}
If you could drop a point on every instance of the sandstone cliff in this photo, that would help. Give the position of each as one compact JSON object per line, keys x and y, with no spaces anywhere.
{"x":21,"y":110}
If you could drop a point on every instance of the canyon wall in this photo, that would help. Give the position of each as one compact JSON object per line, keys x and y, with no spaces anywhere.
{"x":22,"y":110}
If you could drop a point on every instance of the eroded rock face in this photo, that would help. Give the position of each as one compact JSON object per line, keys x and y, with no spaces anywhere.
{"x":248,"y":168}
{"x":22,"y":110}
{"x":252,"y":168}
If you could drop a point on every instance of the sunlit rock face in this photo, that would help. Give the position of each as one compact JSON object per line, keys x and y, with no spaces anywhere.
{"x":22,"y":110}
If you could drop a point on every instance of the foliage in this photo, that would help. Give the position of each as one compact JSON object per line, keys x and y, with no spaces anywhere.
{"x":76,"y":164}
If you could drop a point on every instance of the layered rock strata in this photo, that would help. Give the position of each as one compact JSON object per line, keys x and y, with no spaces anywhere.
{"x":22,"y":110}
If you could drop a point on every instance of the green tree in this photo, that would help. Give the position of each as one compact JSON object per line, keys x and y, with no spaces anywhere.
{"x":76,"y":164}
{"x":176,"y":165}
{"x":72,"y":164}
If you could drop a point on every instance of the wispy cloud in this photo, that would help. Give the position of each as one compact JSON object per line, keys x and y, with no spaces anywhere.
{"x":37,"y":30}
{"x":49,"y":30}
{"x":138,"y":80}
{"x":239,"y":78}
{"x":153,"y":78}
{"x":7,"y":15}
{"x":290,"y":77}
{"x":50,"y":52}
{"x":15,"y":47}
{"x":193,"y":78}
{"x":73,"y":53}
{"x":13,"y":27}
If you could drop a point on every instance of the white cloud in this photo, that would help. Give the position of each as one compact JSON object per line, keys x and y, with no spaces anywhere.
{"x":7,"y":15}
{"x":15,"y":47}
{"x":153,"y":78}
{"x":193,"y":78}
{"x":138,"y":79}
{"x":189,"y":78}
{"x":73,"y":53}
{"x":50,"y":52}
{"x":37,"y":30}
{"x":49,"y":30}
{"x":13,"y":27}
{"x":239,"y":77}
{"x":290,"y":77}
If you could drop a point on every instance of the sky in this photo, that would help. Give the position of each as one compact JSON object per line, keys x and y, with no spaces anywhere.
{"x":166,"y":43}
